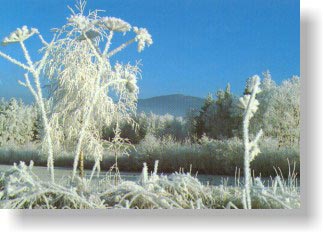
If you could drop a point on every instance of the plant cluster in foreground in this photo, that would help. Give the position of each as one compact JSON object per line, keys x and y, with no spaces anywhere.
{"x":20,"y":188}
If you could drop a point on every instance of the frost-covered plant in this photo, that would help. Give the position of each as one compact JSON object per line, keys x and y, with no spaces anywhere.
{"x":119,"y":147}
{"x":282,"y":116}
{"x":84,"y":83}
{"x":250,"y":105}
{"x":21,"y":188}
{"x":17,"y":123}
{"x":34,"y":69}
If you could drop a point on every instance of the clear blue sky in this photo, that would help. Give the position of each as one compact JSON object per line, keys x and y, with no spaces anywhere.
{"x":199,"y":45}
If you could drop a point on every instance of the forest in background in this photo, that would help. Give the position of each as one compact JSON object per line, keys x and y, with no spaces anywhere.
{"x":208,"y":139}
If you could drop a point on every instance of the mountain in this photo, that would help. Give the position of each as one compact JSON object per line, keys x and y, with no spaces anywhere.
{"x":175,"y":104}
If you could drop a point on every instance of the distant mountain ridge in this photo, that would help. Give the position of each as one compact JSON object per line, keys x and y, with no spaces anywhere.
{"x":175,"y":104}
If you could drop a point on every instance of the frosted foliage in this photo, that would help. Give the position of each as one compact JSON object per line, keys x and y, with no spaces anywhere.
{"x":17,"y":123}
{"x":34,"y":70}
{"x":282,"y":117}
{"x":164,"y":125}
{"x":114,"y":24}
{"x":83,"y":82}
{"x":143,"y":38}
{"x":80,"y":21}
{"x":20,"y":188}
{"x":19,"y":35}
{"x":244,"y":101}
{"x":87,"y":91}
{"x":267,"y":83}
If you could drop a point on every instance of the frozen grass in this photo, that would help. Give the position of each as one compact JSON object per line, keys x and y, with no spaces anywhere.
{"x":20,"y":188}
{"x":220,"y":157}
{"x":214,"y":157}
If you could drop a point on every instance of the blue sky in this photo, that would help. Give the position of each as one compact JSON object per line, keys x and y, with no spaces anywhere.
{"x":199,"y":45}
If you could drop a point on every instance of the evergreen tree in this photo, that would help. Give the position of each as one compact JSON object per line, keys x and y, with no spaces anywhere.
{"x":201,"y":118}
{"x":222,"y":120}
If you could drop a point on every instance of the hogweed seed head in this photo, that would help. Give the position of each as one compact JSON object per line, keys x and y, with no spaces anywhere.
{"x":143,"y":38}
{"x":114,"y":24}
{"x":19,"y":35}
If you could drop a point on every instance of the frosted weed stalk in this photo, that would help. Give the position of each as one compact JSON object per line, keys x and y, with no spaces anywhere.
{"x":250,"y":105}
{"x":34,"y":69}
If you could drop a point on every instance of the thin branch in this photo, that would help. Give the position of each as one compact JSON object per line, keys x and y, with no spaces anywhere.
{"x":108,"y":44}
{"x":29,"y":86}
{"x":121,"y":47}
{"x":26,"y":54}
{"x":43,"y":59}
{"x":16,"y":62}
{"x":42,"y":40}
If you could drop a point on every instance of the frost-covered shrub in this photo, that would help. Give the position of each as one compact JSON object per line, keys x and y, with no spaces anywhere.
{"x":10,"y":154}
{"x":20,"y":188}
{"x":278,"y":113}
{"x":282,"y":117}
{"x":157,"y":125}
{"x":17,"y":123}
{"x":88,"y":91}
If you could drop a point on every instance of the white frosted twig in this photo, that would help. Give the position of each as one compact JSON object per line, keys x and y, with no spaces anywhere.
{"x":28,"y":85}
{"x":42,"y":62}
{"x":12,"y":60}
{"x":120,"y":48}
{"x":42,"y":40}
{"x":108,"y":44}
{"x":95,"y":49}
{"x":26,"y":54}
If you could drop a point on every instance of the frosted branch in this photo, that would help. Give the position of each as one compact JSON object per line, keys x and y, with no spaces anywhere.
{"x":108,"y":44}
{"x":42,"y":40}
{"x":12,"y":60}
{"x":26,"y":54}
{"x":121,"y":47}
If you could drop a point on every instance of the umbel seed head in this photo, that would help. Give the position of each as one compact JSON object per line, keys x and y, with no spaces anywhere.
{"x":19,"y":35}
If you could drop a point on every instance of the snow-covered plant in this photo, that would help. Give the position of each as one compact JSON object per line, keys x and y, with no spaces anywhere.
{"x":17,"y":122}
{"x":34,"y":69}
{"x":250,"y":105}
{"x":119,"y":147}
{"x":282,"y":116}
{"x":20,"y":188}
{"x":88,"y":91}
{"x":143,"y":38}
{"x":19,"y":35}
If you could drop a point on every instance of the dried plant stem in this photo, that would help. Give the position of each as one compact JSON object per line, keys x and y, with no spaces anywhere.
{"x":121,"y":47}
{"x":81,"y":164}
{"x":37,"y":93}
{"x":14,"y":61}
{"x":246,"y":121}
